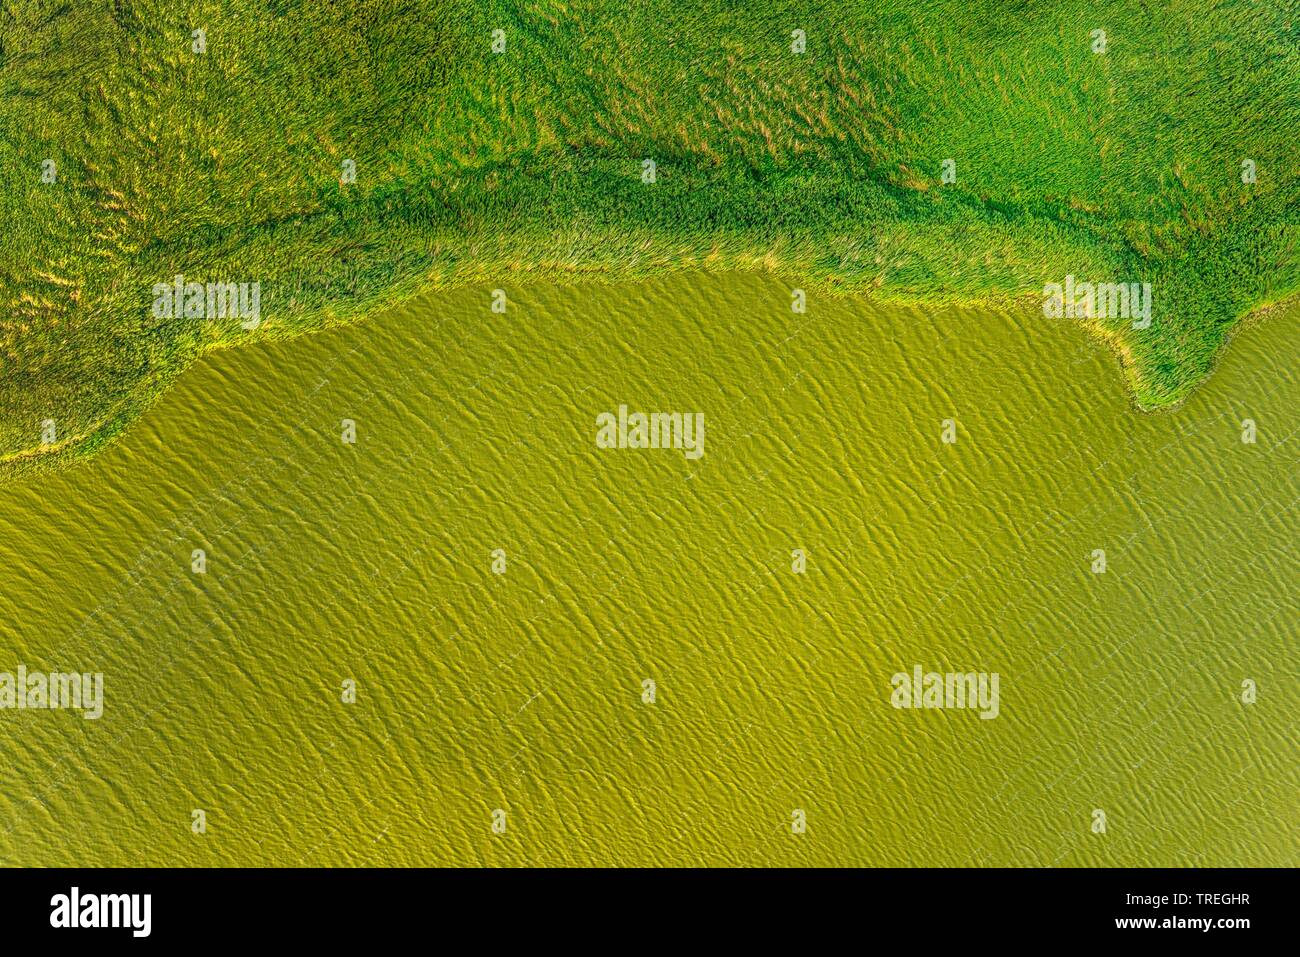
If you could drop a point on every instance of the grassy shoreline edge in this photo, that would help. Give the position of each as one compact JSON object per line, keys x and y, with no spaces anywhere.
{"x":73,"y":450}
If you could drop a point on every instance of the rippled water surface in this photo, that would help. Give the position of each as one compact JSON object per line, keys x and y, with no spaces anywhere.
{"x":524,"y":691}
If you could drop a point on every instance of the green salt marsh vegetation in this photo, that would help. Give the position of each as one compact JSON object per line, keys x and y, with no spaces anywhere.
{"x":346,"y":157}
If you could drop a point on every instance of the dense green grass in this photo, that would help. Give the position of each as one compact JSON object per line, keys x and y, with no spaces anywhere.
{"x":475,"y":167}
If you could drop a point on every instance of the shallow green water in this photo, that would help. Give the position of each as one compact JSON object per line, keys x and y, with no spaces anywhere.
{"x":523,"y":691}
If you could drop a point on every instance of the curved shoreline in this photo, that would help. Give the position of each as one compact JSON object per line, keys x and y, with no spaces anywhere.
{"x":71,"y":451}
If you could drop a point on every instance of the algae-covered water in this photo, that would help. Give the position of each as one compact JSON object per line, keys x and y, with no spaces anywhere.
{"x":523,"y":692}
